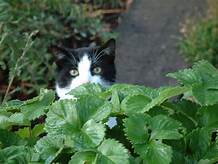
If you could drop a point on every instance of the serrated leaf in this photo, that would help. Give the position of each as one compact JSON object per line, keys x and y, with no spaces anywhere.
{"x":203,"y":80}
{"x":19,"y":119}
{"x":73,"y":114}
{"x":37,"y":130}
{"x":8,"y":138}
{"x":198,"y":142}
{"x":15,"y":154}
{"x":115,"y":101}
{"x":208,"y":116}
{"x":188,"y":108}
{"x":212,"y":154}
{"x":87,"y":157}
{"x":124,"y":90}
{"x":4,"y":120}
{"x":11,"y":105}
{"x":165,"y":94}
{"x":90,"y":135}
{"x":92,"y":107}
{"x":86,"y":89}
{"x":39,"y":105}
{"x":205,"y":70}
{"x":134,"y":104}
{"x":164,"y":127}
{"x":154,"y":152}
{"x":186,"y":77}
{"x":78,"y":119}
{"x":139,"y":134}
{"x":206,"y":93}
{"x":112,"y":152}
{"x":49,"y":147}
{"x":24,"y":132}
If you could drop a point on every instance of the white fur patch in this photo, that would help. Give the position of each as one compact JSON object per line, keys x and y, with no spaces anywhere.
{"x":84,"y":76}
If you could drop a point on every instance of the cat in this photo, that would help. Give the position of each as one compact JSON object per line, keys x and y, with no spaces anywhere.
{"x":84,"y":65}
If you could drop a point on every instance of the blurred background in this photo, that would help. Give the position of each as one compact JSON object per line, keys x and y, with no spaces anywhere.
{"x":154,"y":37}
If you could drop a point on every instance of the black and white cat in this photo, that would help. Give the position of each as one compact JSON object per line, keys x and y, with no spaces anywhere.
{"x":84,"y":65}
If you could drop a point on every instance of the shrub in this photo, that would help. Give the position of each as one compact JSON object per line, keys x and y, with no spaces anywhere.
{"x":151,"y":127}
{"x":201,"y":42}
{"x":48,"y":22}
{"x":200,"y":39}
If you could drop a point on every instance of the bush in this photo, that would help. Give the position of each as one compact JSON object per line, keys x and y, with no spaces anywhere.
{"x":200,"y":40}
{"x":151,"y":127}
{"x":48,"y":22}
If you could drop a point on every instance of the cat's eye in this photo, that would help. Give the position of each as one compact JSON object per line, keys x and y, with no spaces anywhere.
{"x":74,"y":72}
{"x":97,"y":70}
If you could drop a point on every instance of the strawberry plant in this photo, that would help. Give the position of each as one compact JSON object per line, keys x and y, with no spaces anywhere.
{"x":175,"y":124}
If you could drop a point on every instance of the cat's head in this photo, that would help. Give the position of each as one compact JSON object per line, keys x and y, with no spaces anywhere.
{"x":84,"y":65}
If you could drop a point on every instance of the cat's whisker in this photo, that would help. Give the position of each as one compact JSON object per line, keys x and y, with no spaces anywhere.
{"x":74,"y":59}
{"x":101,"y":53}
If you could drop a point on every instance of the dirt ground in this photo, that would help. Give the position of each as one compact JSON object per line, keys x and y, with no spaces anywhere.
{"x":147,"y":46}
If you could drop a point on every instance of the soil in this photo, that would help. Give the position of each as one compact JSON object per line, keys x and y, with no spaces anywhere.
{"x":147,"y":48}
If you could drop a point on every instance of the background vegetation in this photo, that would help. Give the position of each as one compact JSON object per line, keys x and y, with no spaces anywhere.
{"x":28,"y":28}
{"x":201,"y":38}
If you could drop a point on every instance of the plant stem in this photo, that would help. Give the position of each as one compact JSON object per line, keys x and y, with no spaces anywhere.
{"x":26,"y":48}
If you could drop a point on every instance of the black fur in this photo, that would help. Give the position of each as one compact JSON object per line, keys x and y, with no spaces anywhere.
{"x":67,"y":59}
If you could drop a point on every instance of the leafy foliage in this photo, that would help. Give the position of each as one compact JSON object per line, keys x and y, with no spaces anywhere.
{"x":50,"y":22}
{"x":151,"y":126}
{"x":200,"y":39}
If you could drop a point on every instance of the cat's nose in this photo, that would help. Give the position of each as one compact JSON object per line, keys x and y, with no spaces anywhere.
{"x":85,"y":81}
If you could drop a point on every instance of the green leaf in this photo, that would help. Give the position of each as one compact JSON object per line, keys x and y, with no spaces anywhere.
{"x":86,"y":89}
{"x":37,"y":130}
{"x":112,"y":152}
{"x":198,"y":142}
{"x":38,"y":106}
{"x":186,"y":77}
{"x":134,"y":104}
{"x":140,"y":134}
{"x":154,"y":152}
{"x":201,"y":72}
{"x":206,"y":93}
{"x":115,"y":101}
{"x":164,"y":127}
{"x":11,"y":105}
{"x":19,"y":119}
{"x":205,"y":70}
{"x":165,"y":94}
{"x":212,"y":154}
{"x":208,"y":116}
{"x":158,"y":127}
{"x":90,"y":135}
{"x":124,"y":90}
{"x":49,"y":147}
{"x":78,"y":119}
{"x":203,"y":79}
{"x":188,"y":109}
{"x":4,"y":120}
{"x":92,"y":107}
{"x":87,"y":157}
{"x":8,"y":138}
{"x":24,"y":132}
{"x":15,"y":154}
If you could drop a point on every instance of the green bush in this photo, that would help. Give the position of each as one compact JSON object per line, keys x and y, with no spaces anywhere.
{"x":152,"y":127}
{"x":201,"y":42}
{"x":48,"y":22}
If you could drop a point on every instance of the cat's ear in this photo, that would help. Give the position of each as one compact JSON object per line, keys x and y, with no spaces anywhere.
{"x":109,"y":47}
{"x":60,"y":54}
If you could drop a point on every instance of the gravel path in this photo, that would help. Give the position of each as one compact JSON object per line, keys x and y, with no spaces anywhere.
{"x":147,"y":46}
